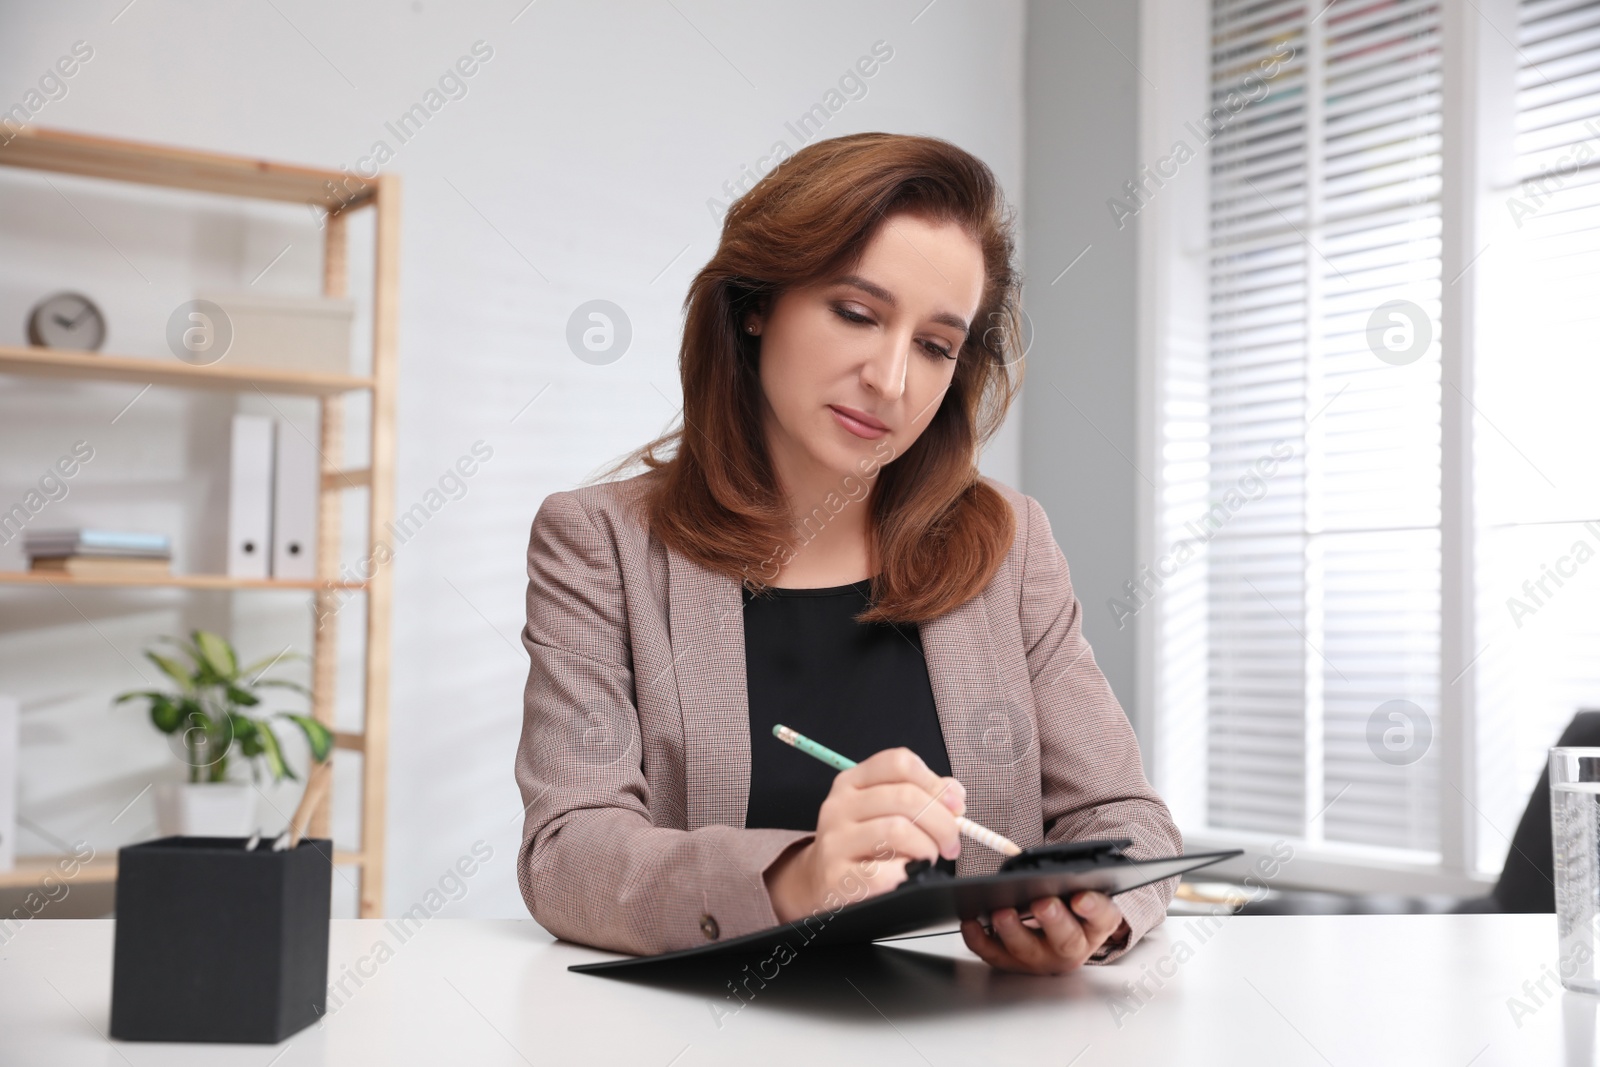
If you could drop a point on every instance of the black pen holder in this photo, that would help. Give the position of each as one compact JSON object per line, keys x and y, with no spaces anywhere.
{"x":216,"y":943}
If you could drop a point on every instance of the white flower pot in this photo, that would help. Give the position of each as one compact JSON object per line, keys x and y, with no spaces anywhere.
{"x":205,"y":809}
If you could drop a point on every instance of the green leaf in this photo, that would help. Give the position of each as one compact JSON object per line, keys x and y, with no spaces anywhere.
{"x":148,"y":694}
{"x":165,"y":714}
{"x":241,"y":696}
{"x":173,"y":669}
{"x":216,"y":653}
{"x":247,"y":735}
{"x":317,"y":734}
{"x":273,"y":753}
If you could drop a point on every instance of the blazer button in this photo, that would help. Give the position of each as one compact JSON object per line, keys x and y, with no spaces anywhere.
{"x":708,"y":926}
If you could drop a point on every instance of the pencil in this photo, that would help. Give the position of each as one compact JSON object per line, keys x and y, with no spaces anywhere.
{"x":981,"y":834}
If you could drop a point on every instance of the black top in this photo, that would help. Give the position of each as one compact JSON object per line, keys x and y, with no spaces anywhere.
{"x":856,"y":688}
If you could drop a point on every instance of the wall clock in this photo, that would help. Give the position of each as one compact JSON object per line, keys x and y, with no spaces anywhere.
{"x":67,"y":320}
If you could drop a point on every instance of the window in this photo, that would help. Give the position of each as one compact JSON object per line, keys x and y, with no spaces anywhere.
{"x":1302,"y":524}
{"x":1324,"y":458}
{"x":1538,"y":389}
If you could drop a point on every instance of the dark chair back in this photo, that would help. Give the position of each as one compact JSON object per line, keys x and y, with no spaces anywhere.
{"x":1527,"y":883}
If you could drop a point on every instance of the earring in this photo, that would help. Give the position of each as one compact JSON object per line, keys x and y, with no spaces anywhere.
{"x":749,"y":327}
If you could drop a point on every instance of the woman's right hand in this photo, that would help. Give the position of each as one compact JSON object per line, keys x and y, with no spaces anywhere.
{"x":883,"y":812}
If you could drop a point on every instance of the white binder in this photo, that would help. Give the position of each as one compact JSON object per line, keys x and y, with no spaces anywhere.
{"x":9,"y":741}
{"x":297,"y":482}
{"x":250,"y":497}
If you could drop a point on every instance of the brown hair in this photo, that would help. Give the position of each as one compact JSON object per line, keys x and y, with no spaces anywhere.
{"x":938,"y":530}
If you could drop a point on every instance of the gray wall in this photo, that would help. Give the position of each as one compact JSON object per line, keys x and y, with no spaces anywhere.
{"x":1079,"y":444}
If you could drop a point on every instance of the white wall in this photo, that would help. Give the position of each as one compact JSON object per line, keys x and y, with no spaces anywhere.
{"x":578,"y":165}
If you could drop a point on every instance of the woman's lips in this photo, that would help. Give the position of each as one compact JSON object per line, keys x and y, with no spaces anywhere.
{"x":856,"y":426}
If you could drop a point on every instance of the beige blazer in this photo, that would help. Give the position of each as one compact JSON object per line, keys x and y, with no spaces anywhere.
{"x":634,"y":759}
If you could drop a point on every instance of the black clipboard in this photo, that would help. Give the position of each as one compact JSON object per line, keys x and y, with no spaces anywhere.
{"x":929,"y":896}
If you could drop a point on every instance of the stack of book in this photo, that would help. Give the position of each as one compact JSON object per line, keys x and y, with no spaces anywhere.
{"x":85,"y":553}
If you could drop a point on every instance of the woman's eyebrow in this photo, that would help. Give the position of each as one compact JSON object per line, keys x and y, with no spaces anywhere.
{"x":876,"y":290}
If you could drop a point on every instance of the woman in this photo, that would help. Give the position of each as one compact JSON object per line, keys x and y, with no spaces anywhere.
{"x":820,"y":550}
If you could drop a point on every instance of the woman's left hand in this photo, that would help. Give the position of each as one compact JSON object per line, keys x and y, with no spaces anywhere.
{"x":1064,"y":940}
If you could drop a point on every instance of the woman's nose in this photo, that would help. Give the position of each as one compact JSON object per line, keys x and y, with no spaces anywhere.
{"x":885,"y":371}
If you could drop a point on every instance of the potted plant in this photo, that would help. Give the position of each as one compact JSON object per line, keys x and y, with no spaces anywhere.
{"x":207,"y":716}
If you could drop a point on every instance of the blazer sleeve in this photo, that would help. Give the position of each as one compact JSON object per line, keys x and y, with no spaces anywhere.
{"x":593,"y":867}
{"x":1093,"y":778}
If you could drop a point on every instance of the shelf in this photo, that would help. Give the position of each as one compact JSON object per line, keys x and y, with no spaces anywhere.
{"x":91,"y":366}
{"x":30,"y":870}
{"x":175,"y":581}
{"x":352,"y":740}
{"x":181,"y":168}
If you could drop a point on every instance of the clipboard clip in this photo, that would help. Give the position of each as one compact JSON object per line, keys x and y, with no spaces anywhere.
{"x":1090,"y":853}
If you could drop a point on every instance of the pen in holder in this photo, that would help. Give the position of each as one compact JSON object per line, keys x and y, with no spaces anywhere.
{"x":316,"y":785}
{"x":219,"y":941}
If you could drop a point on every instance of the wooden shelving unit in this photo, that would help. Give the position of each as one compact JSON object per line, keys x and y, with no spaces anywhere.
{"x":180,"y":168}
{"x":54,"y":363}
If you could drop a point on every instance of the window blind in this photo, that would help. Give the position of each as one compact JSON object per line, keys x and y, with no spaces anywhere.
{"x":1307,"y":483}
{"x":1538,"y":384}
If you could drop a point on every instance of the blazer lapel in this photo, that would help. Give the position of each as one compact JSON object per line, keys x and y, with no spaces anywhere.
{"x":981,"y":733}
{"x":706,"y":610}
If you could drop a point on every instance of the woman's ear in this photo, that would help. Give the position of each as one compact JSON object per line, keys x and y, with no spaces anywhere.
{"x":757,"y":314}
{"x":755,"y":318}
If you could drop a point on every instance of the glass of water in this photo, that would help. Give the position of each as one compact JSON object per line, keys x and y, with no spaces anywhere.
{"x":1575,"y":832}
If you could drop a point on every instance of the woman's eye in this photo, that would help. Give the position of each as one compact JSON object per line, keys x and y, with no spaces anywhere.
{"x":932,"y":349}
{"x":850,"y":316}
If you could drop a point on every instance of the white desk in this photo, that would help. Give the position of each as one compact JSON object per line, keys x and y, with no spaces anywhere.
{"x":1347,"y":991}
